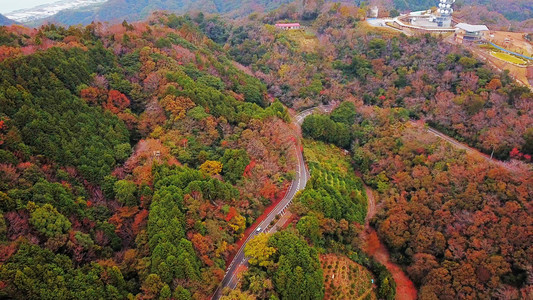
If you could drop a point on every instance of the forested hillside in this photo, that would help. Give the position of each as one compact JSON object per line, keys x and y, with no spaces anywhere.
{"x":459,"y":224}
{"x":130,"y":160}
{"x":135,"y":157}
{"x":432,"y":201}
{"x":342,"y":58}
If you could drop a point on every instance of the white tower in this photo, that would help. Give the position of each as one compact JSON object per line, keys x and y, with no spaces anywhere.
{"x":444,"y":13}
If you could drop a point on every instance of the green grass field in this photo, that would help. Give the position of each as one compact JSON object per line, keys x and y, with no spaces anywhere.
{"x":508,"y":58}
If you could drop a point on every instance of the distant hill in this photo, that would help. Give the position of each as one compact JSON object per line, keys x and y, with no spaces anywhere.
{"x":5,"y":21}
{"x":132,"y":10}
{"x":494,"y":20}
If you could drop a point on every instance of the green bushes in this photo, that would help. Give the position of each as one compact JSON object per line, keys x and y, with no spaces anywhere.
{"x":324,"y":129}
{"x":234,"y":162}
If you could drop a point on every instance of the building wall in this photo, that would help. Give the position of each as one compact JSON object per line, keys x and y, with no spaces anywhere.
{"x":288,"y":27}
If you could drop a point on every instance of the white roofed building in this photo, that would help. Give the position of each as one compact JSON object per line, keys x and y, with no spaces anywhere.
{"x":288,"y":26}
{"x":472,"y":32}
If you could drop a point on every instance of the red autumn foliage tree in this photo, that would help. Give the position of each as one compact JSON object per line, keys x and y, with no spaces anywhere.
{"x":269,"y":190}
{"x":17,"y":224}
{"x":145,"y":154}
{"x":248,"y":169}
{"x":116,"y":101}
{"x":123,"y":220}
{"x":140,"y":221}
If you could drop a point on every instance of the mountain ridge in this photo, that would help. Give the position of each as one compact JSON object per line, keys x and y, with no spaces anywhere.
{"x":40,"y":13}
{"x":135,"y":10}
{"x":5,"y":20}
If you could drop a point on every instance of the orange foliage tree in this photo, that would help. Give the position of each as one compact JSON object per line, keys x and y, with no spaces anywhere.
{"x":177,"y":106}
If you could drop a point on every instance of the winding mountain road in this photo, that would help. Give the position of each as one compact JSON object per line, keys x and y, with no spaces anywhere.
{"x":300,"y":180}
{"x":301,"y":177}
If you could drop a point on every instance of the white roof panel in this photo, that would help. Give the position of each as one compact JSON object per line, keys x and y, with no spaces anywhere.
{"x":471,"y":28}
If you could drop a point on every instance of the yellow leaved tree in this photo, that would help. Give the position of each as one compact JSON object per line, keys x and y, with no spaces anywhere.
{"x":211,"y":167}
{"x":258,"y":250}
{"x":238,"y":223}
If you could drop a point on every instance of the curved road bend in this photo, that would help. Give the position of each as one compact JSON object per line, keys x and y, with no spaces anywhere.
{"x":300,"y":180}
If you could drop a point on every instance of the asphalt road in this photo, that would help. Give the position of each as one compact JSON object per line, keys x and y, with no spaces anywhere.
{"x":469,"y":149}
{"x":300,"y":180}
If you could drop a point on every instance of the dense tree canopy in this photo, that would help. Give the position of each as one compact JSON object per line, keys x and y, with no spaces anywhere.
{"x":292,"y":263}
{"x":344,"y":59}
{"x":133,"y":157}
{"x":140,"y":146}
{"x":47,"y":118}
{"x":447,"y":216}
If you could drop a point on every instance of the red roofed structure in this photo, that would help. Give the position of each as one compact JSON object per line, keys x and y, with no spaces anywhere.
{"x":287,"y":26}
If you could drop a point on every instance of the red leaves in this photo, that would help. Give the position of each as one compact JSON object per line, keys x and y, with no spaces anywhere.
{"x":129,"y":119}
{"x":9,"y":173}
{"x":231,"y":213}
{"x":268,"y":191}
{"x":218,"y":274}
{"x":140,"y":221}
{"x":119,"y":99}
{"x":116,"y":101}
{"x":146,"y":153}
{"x":249,"y":168}
{"x":152,"y":116}
{"x":123,"y":220}
{"x":5,"y":253}
{"x":494,"y":84}
{"x":516,"y":154}
{"x":101,"y":238}
{"x":17,"y":224}
{"x":184,"y":142}
{"x":24,"y":165}
{"x":2,"y":128}
{"x":202,"y":244}
{"x":420,"y":150}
